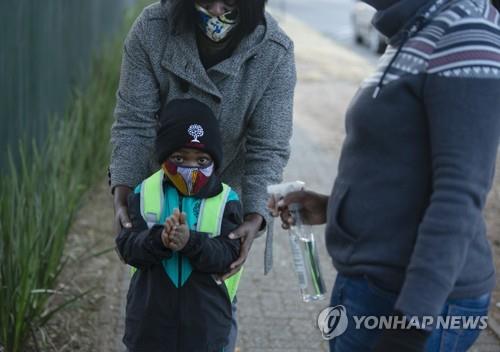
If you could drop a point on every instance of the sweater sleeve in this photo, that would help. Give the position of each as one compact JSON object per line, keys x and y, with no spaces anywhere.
{"x":214,"y":255}
{"x":138,"y":100}
{"x":268,"y":137}
{"x":464,"y":124}
{"x":461,"y":99}
{"x":139,"y":246}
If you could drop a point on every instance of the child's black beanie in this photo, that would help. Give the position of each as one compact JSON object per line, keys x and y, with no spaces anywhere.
{"x":191,"y":124}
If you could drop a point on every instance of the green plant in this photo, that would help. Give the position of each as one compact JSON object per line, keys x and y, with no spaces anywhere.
{"x":40,"y":194}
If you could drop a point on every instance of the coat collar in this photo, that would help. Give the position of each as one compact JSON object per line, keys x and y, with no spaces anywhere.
{"x":246,"y":49}
{"x":395,"y":17}
{"x":181,"y":55}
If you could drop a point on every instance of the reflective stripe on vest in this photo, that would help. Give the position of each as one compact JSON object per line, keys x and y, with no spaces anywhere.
{"x":209,"y":218}
{"x":152,"y":205}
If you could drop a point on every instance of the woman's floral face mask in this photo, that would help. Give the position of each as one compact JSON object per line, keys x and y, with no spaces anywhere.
{"x":216,"y":28}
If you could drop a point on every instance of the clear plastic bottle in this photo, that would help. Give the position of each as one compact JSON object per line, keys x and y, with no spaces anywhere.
{"x":303,"y":245}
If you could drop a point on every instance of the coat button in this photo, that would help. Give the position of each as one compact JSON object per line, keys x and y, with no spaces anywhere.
{"x":184,"y":85}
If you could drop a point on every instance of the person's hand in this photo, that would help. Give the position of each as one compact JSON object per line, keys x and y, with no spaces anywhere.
{"x":175,"y":234}
{"x":313,"y":208}
{"x":246,"y":232}
{"x":121,"y":208}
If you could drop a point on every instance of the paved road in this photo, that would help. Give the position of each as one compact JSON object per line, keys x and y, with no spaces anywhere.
{"x":328,"y":17}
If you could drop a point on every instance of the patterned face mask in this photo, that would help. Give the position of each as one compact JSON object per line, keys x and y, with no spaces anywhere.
{"x":216,"y":27}
{"x":188,"y":180}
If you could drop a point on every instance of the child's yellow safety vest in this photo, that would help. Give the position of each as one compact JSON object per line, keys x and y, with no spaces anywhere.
{"x":157,"y":206}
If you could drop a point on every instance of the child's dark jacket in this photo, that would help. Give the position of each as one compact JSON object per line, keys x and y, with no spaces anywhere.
{"x":194,"y":317}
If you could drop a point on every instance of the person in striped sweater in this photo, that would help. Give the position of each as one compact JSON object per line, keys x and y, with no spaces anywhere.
{"x":405,"y":228}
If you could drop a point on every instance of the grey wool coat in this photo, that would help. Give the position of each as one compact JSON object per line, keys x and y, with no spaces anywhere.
{"x":251,"y":94}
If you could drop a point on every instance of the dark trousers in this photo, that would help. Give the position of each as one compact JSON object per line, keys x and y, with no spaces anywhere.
{"x":361,"y":297}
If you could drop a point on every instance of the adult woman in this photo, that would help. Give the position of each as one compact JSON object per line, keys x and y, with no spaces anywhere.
{"x":405,"y":229}
{"x":229,"y":55}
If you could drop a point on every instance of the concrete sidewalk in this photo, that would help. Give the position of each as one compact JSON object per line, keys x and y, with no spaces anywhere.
{"x":272,"y":316}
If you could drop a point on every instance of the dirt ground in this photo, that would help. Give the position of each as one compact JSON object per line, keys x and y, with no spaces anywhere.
{"x":93,"y":322}
{"x":328,"y":77}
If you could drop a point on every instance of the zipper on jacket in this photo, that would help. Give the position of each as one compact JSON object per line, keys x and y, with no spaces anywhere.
{"x":179,"y":276}
{"x":179,"y":282}
{"x":179,"y":259}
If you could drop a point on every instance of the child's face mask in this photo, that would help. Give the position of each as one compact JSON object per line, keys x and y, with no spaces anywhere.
{"x":188,"y":180}
{"x":216,"y":28}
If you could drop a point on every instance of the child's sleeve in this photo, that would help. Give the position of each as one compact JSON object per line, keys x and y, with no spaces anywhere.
{"x":214,"y":255}
{"x":139,"y":246}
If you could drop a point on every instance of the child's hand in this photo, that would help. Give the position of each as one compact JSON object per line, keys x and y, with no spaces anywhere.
{"x":171,"y":223}
{"x":175,"y":233}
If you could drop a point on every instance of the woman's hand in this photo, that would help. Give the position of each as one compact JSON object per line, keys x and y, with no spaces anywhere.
{"x":313,"y":208}
{"x":121,"y":208}
{"x":246,"y":232}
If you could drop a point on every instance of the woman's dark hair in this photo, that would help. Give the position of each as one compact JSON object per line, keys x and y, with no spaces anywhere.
{"x":251,"y":14}
{"x":496,"y":3}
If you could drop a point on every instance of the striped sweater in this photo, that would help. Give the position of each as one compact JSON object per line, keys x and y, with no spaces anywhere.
{"x":459,"y":39}
{"x":418,"y":160}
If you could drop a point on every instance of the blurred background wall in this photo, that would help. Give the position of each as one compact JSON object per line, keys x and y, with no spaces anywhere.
{"x":46,"y":48}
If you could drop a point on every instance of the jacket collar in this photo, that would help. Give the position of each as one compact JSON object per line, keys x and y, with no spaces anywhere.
{"x":181,"y":56}
{"x":247,"y":48}
{"x":182,"y":59}
{"x":394,"y":16}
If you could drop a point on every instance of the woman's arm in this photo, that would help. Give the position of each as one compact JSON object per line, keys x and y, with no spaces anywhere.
{"x":267,"y":151}
{"x":464,"y":125}
{"x":268,"y":136}
{"x":138,"y":101}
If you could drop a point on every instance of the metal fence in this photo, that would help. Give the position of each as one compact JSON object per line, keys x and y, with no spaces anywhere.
{"x":46,"y":49}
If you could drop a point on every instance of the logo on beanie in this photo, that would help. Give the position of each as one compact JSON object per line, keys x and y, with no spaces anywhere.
{"x":195,"y":131}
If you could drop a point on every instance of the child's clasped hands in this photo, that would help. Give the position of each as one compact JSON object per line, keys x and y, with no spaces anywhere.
{"x":175,"y":233}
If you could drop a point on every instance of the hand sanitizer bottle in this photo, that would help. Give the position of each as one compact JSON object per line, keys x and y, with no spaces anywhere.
{"x":304,"y":251}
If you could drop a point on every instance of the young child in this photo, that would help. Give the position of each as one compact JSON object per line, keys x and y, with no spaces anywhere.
{"x":178,"y":244}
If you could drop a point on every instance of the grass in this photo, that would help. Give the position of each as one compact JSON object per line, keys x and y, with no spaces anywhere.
{"x":40,"y":194}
